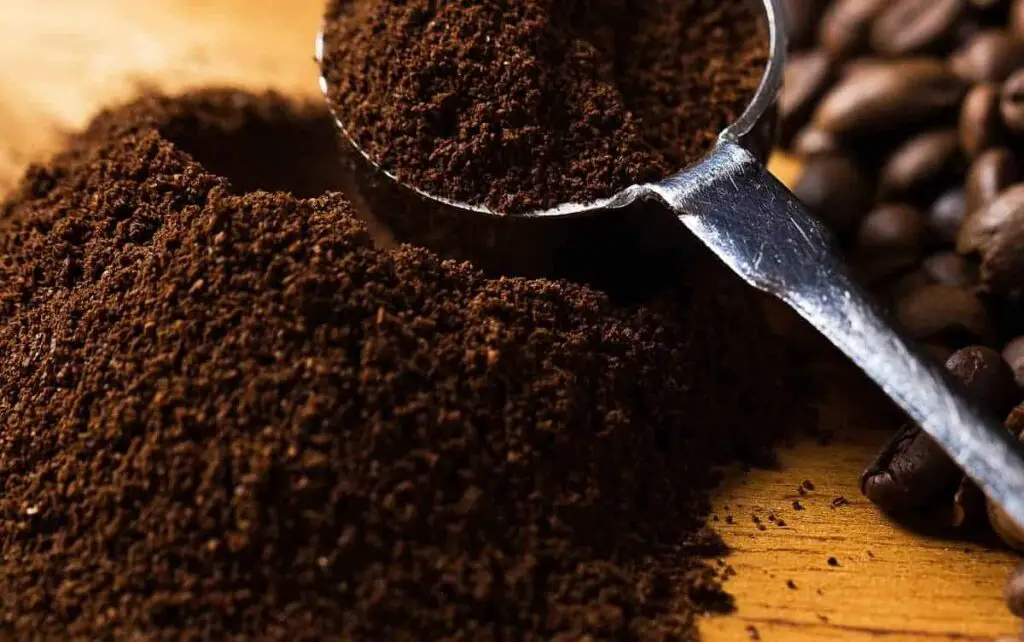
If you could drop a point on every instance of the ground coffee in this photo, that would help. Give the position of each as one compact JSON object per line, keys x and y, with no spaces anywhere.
{"x":227,"y":414}
{"x":527,"y":104}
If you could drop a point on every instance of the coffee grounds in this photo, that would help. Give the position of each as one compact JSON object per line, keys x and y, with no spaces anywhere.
{"x":528,"y":104}
{"x":228,"y":414}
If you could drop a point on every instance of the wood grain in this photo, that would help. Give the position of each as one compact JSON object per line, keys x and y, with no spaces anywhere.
{"x":61,"y":60}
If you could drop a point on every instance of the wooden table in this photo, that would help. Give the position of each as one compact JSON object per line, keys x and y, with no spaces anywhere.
{"x":62,"y":59}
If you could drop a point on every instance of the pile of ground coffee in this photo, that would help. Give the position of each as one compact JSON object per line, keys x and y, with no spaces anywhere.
{"x":528,"y":104}
{"x":227,"y":413}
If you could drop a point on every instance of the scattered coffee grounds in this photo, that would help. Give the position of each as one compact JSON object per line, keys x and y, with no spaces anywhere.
{"x":528,"y":104}
{"x":228,"y":414}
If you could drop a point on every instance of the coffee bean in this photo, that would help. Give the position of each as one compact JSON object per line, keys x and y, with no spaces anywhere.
{"x":946,"y":313}
{"x":981,"y":125}
{"x":1014,"y":592}
{"x":946,"y":215}
{"x":996,"y":233}
{"x":1002,"y":261}
{"x":990,"y":56}
{"x":915,"y":26}
{"x":892,"y":229}
{"x":884,"y":96}
{"x":1011,"y":102}
{"x":991,"y":173}
{"x":835,"y":190}
{"x":1016,"y":20}
{"x":987,"y":379}
{"x":949,"y":268}
{"x":807,"y":77}
{"x":812,"y":141}
{"x":984,"y":223}
{"x":920,"y":164}
{"x":802,"y":18}
{"x":895,"y":290}
{"x":846,"y":26}
{"x":889,"y":240}
{"x":911,"y":472}
{"x":1013,"y":354}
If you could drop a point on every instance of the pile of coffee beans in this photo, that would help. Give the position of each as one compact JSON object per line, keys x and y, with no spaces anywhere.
{"x":908,"y":116}
{"x":528,"y":104}
{"x":228,"y":414}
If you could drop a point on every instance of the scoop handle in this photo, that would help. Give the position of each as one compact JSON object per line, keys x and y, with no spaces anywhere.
{"x":758,"y":228}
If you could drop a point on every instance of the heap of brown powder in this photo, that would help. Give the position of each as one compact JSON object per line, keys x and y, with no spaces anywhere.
{"x":526,"y":104}
{"x":227,"y":414}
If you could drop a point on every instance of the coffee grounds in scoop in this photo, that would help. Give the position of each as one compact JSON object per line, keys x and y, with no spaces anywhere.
{"x":227,"y":414}
{"x":528,"y":104}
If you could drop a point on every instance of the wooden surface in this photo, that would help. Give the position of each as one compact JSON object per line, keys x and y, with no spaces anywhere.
{"x":62,"y":59}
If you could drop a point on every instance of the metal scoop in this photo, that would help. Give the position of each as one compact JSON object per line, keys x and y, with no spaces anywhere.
{"x":757,"y":227}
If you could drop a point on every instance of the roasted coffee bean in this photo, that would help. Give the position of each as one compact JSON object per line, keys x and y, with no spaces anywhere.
{"x":920,"y":164}
{"x":1011,"y":102}
{"x":990,"y":56}
{"x":836,"y":190}
{"x":846,"y":26}
{"x":807,"y":77}
{"x":889,"y":239}
{"x":802,"y":18}
{"x":947,"y":314}
{"x":892,"y":229}
{"x":981,"y":124}
{"x":893,"y":291}
{"x":1014,"y":592}
{"x":949,"y":268}
{"x":812,"y":141}
{"x":1002,"y":261}
{"x":996,"y":233}
{"x":884,"y":96}
{"x":991,"y":173}
{"x":946,"y":215}
{"x":987,"y":379}
{"x":911,"y":472}
{"x":915,"y":26}
{"x":1013,"y":355}
{"x":987,"y":221}
{"x":1016,"y":21}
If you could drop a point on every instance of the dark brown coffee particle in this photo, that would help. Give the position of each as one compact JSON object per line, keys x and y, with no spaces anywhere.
{"x":981,"y":120}
{"x":990,"y":56}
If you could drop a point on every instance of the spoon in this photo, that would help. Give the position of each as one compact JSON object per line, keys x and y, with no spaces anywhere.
{"x":755,"y":225}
